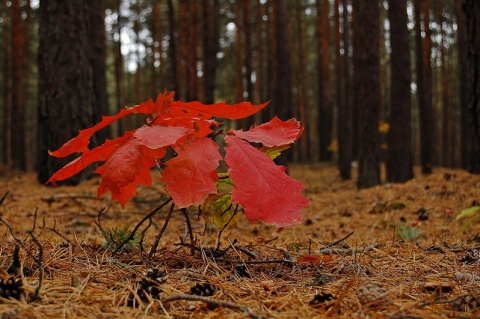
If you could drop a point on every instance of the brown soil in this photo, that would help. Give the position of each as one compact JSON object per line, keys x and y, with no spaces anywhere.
{"x":358,"y":254}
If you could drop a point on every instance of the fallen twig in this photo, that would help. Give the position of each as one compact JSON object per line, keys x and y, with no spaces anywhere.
{"x":148,"y":216}
{"x":160,"y":234}
{"x":212,"y":302}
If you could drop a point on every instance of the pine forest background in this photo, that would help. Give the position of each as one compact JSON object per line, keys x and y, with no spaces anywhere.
{"x":373,"y":81}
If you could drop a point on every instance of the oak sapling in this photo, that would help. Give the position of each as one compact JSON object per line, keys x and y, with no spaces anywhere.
{"x":261,"y":187}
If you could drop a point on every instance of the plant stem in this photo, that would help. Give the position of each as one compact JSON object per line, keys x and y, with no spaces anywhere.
{"x":132,"y":234}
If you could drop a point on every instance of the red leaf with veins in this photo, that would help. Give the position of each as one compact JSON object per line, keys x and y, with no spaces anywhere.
{"x":274,"y":133}
{"x":79,"y":144}
{"x":170,"y":112}
{"x":233,"y":112}
{"x":124,"y":170}
{"x":158,"y":136}
{"x":192,"y":174}
{"x":98,"y":154}
{"x":261,"y":187}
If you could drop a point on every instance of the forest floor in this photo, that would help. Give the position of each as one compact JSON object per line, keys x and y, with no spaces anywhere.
{"x":391,"y":251}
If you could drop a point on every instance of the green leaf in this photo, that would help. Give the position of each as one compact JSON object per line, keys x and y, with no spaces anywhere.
{"x":222,"y":208}
{"x":470,"y":221}
{"x":468,"y":212}
{"x":273,"y":152}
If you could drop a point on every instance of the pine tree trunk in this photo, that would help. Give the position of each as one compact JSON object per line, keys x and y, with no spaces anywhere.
{"x":172,"y":48}
{"x":472,"y":15}
{"x":18,"y":103}
{"x":66,"y":86}
{"x":301,"y":80}
{"x":424,"y":88}
{"x":465,"y":133}
{"x":283,"y":73}
{"x":7,"y":90}
{"x":345,"y":125}
{"x":399,"y":160}
{"x":211,"y":37}
{"x":325,"y":113}
{"x":366,"y":69}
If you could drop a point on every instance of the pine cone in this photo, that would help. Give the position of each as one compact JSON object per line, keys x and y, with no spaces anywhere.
{"x":149,"y":284}
{"x":12,"y":287}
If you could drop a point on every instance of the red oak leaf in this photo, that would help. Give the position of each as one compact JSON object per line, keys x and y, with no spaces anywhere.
{"x":261,"y":187}
{"x":158,"y":136}
{"x":124,"y":170}
{"x":98,"y":154}
{"x":172,"y":113}
{"x":274,"y":133}
{"x":233,"y":112}
{"x":202,"y":127}
{"x":192,"y":174}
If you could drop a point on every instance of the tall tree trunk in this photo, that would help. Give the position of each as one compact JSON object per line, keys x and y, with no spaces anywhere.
{"x":343,"y":164}
{"x":7,"y":89}
{"x":97,"y":60}
{"x":325,"y":113}
{"x":301,"y":80}
{"x":239,"y":52}
{"x":446,"y":119}
{"x":182,"y":61}
{"x":462,"y":56}
{"x":211,"y":36}
{"x":355,"y":79}
{"x":399,"y":160}
{"x":472,"y":15}
{"x":247,"y":28}
{"x":138,"y":97}
{"x":282,"y":94}
{"x":424,"y":86}
{"x":345,"y":125}
{"x":192,"y":78}
{"x":66,"y":84}
{"x":118,"y":63}
{"x":172,"y":48}
{"x":366,"y":68}
{"x":156,"y":59}
{"x":18,"y":103}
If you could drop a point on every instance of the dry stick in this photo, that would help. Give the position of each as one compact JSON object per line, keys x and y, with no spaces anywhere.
{"x":253,"y":262}
{"x":54,"y":229}
{"x":4,"y":197}
{"x":132,"y":234}
{"x":213,"y":302}
{"x":190,"y":232}
{"x":340,"y":240}
{"x":160,"y":234}
{"x":144,"y":231}
{"x":38,"y":261}
{"x":225,"y":226}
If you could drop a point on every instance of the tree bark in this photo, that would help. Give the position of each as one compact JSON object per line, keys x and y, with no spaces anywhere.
{"x":18,"y":103}
{"x":462,"y":56}
{"x":325,"y":113}
{"x":283,"y":75}
{"x":399,"y":160}
{"x":424,"y":85}
{"x":366,"y":69}
{"x":7,"y":90}
{"x":211,"y":36}
{"x":345,"y":125}
{"x":66,"y":86}
{"x":301,"y":81}
{"x":172,"y":48}
{"x":472,"y":15}
{"x":118,"y":63}
{"x":97,"y":31}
